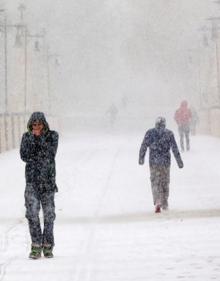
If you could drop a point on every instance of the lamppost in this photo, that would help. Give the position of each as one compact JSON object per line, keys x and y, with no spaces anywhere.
{"x":4,"y":30}
{"x":22,"y":32}
{"x":21,"y":28}
{"x":49,"y":57}
{"x":27,"y":35}
{"x":5,"y":27}
{"x":21,"y":8}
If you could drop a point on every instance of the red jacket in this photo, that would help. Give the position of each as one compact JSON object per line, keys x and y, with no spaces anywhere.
{"x":183,"y":114}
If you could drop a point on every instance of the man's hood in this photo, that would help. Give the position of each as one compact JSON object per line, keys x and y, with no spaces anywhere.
{"x":40,"y":117}
{"x":160,"y":123}
{"x":184,"y":104}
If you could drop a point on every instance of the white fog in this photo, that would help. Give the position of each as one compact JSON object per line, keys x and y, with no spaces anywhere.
{"x":140,"y":52}
{"x":102,"y":71}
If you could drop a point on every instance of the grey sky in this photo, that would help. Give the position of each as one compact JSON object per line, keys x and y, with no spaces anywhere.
{"x":111,"y":48}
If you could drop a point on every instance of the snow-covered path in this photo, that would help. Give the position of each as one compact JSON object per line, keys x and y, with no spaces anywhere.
{"x":105,"y":227}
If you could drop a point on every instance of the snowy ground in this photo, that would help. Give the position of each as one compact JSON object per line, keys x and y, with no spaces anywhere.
{"x":106,"y":229}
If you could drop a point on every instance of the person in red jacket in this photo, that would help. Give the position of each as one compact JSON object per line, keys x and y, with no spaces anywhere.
{"x":183,"y":117}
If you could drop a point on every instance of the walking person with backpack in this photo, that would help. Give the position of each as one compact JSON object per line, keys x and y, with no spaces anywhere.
{"x":160,"y":140}
{"x":38,"y":150}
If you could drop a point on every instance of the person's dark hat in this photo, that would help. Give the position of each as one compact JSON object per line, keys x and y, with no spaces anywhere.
{"x":160,"y":122}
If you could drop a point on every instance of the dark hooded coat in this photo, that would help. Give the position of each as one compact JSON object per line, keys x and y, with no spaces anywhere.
{"x":160,"y":140}
{"x":39,"y":154}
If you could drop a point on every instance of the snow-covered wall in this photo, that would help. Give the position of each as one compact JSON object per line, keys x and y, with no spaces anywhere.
{"x":209,"y":123}
{"x":215,"y":122}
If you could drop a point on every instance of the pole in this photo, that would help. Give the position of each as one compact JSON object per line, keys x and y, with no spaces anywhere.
{"x":21,"y":8}
{"x":25,"y":69}
{"x":27,"y":35}
{"x":48,"y":57}
{"x":6,"y":63}
{"x":48,"y":82}
{"x":215,"y":37}
{"x":6,"y":81}
{"x":218,"y":68}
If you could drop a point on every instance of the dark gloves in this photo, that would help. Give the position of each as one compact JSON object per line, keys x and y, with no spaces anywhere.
{"x":180,"y":164}
{"x":141,"y":161}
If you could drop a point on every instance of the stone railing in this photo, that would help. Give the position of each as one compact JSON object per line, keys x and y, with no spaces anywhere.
{"x":11,"y":127}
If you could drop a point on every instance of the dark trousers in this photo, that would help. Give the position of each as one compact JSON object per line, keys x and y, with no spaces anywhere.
{"x":34,"y":199}
{"x":160,"y":179}
{"x":184,"y":131}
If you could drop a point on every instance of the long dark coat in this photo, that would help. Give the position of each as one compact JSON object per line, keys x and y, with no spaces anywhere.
{"x":39,"y":154}
{"x":160,"y":141}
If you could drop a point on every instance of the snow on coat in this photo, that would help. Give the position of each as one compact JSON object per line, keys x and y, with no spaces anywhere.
{"x":160,"y":140}
{"x":39,"y":154}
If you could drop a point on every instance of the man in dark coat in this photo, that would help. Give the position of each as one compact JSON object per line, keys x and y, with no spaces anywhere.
{"x":38,"y":150}
{"x":160,"y":140}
